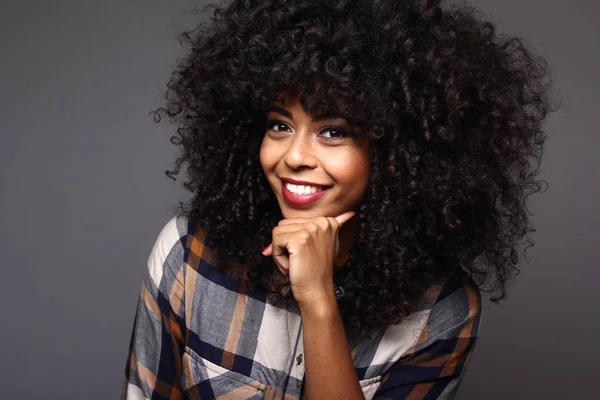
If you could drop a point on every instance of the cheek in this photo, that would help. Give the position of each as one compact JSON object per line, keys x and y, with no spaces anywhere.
{"x":351,"y":168}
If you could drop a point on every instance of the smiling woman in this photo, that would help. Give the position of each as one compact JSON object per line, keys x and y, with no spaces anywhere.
{"x":383,"y":152}
{"x":313,"y":156}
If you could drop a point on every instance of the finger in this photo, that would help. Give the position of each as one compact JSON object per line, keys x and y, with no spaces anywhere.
{"x":281,"y":257}
{"x":343,"y":218}
{"x":286,"y":244}
{"x":290,"y":221}
{"x":292,"y":227}
{"x":283,"y":271}
{"x":267,"y":251}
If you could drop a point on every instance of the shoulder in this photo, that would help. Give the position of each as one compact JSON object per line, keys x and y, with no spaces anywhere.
{"x":184,"y":242}
{"x":456,"y":312}
{"x":446,"y":321}
{"x":168,"y":250}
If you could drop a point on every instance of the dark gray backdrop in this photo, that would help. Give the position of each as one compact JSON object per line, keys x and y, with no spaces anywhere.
{"x":84,"y":197}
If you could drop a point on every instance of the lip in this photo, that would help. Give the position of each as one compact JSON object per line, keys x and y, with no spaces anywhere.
{"x":301,"y":199}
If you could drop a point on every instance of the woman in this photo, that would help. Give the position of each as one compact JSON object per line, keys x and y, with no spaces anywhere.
{"x":382,"y":151}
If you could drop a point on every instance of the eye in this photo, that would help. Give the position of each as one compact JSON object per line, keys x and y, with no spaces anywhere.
{"x":276,"y":126}
{"x":333,"y":133}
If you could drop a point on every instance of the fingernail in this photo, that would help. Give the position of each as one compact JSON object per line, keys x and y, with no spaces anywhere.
{"x":265,"y":249}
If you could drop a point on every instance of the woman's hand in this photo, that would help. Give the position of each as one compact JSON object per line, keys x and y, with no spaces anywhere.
{"x":306,"y":249}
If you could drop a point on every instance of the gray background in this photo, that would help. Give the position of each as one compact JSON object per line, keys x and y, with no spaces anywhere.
{"x":84,"y":197}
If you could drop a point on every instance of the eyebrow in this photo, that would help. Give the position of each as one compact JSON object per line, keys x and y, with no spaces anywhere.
{"x":318,"y":118}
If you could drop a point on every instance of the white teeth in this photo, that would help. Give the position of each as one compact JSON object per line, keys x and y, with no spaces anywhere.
{"x":302,"y":189}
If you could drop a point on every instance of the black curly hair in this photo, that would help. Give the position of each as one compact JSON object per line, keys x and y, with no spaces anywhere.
{"x":453,"y":108}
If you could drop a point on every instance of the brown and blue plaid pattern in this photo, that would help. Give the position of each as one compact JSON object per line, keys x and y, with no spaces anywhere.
{"x":201,"y":333}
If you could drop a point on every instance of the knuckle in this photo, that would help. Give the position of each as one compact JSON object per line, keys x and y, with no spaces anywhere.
{"x":305,"y":235}
{"x":322,"y":220}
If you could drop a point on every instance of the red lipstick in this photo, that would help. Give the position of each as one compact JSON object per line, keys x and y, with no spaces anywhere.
{"x":302,"y":199}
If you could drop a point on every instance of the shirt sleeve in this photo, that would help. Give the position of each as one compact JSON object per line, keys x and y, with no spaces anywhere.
{"x":153,"y":368}
{"x":434,"y":367}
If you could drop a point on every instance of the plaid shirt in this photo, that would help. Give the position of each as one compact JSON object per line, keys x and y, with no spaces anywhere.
{"x":201,"y":333}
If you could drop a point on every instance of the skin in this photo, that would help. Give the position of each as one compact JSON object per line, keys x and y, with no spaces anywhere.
{"x":307,"y":241}
{"x":296,"y":146}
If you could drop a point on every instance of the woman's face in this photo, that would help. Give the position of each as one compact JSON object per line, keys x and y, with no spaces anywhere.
{"x":314,"y":167}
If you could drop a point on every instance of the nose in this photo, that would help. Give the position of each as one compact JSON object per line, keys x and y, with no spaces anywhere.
{"x":300,"y":153}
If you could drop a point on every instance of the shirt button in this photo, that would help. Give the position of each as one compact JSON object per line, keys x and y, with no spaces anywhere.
{"x":299,"y":359}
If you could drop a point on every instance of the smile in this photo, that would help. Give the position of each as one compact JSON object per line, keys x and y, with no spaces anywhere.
{"x":302,"y":194}
{"x":302,"y":189}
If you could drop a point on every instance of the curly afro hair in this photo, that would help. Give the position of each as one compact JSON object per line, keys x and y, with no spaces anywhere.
{"x":453,"y":108}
